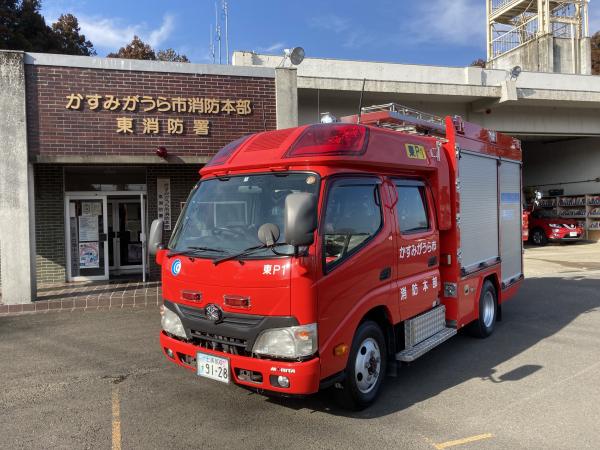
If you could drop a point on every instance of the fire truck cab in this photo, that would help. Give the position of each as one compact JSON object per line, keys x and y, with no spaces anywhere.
{"x":326,"y":255}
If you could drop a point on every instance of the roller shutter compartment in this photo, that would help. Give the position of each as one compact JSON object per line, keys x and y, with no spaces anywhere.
{"x":478,"y":177}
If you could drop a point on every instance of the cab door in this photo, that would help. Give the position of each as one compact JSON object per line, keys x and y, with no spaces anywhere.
{"x":417,"y":244}
{"x":358,"y":261}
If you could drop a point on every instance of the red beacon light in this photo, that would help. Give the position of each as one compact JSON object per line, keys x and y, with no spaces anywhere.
{"x":330,"y":139}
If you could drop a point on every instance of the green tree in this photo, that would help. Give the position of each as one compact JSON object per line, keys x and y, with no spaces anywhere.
{"x":22,"y":27}
{"x":136,"y":49}
{"x":68,"y":37}
{"x":479,"y":63}
{"x":171,"y":55}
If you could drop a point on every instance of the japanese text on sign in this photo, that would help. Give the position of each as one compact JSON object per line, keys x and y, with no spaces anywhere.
{"x":420,"y":286}
{"x":422,"y":248}
{"x":163,"y":206}
{"x":145,"y":103}
{"x":151,"y":125}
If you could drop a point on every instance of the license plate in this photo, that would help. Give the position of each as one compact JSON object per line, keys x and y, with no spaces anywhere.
{"x":573,"y":234}
{"x":213,"y":367}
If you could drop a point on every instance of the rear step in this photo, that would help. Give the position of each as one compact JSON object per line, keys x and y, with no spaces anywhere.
{"x":424,"y":332}
{"x":413,"y":353}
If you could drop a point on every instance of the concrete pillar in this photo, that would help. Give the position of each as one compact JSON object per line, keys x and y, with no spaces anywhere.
{"x":585,"y":53}
{"x":286,"y":97}
{"x":17,"y":236}
{"x":545,"y":54}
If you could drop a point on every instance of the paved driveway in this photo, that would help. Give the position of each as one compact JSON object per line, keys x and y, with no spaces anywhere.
{"x":96,"y":379}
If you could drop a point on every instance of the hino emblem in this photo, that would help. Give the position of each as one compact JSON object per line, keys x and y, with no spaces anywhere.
{"x":214,"y":313}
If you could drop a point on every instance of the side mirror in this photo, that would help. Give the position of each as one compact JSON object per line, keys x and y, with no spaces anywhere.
{"x":268,"y":234}
{"x":300,"y":218}
{"x":155,"y":237}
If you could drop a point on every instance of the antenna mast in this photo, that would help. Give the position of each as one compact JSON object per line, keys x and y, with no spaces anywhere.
{"x":211,"y":44}
{"x":218,"y":32}
{"x":226,"y":15}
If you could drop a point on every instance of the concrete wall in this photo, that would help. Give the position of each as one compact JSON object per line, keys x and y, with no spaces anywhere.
{"x":286,"y":98}
{"x":562,"y":163}
{"x":548,"y":54}
{"x":17,"y":246}
{"x":533,"y":119}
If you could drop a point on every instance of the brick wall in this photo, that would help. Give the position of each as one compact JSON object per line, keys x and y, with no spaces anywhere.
{"x":49,"y":223}
{"x":56,"y":130}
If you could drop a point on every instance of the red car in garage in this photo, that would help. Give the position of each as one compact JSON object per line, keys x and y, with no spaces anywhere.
{"x":525,"y":223}
{"x":546,"y":226}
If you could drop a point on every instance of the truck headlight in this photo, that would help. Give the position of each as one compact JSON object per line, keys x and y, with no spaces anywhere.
{"x":289,"y":342}
{"x":171,"y":323}
{"x":555,"y":225}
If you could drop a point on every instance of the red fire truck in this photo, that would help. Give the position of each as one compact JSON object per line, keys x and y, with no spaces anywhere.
{"x":326,"y":255}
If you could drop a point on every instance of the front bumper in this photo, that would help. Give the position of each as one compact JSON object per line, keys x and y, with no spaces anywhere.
{"x":304,"y":376}
{"x":564,"y":236}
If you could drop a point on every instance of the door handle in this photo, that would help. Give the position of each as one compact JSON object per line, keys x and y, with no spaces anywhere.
{"x":432,"y":261}
{"x":385,"y":274}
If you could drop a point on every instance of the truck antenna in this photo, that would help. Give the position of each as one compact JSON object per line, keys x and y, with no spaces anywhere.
{"x":362,"y":91}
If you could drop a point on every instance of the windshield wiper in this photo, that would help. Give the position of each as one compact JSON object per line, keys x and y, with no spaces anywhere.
{"x":194,"y":251}
{"x":249,"y":251}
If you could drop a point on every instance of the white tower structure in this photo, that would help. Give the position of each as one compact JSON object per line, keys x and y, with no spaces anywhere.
{"x":539,"y":35}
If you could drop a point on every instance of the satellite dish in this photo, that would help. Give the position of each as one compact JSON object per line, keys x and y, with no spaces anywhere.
{"x":295,"y":55}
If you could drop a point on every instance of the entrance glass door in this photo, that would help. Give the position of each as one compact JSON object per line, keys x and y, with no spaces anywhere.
{"x":125,"y":234}
{"x":87,"y":243}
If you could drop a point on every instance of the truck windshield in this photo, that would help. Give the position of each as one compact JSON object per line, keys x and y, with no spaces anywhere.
{"x":222,"y":215}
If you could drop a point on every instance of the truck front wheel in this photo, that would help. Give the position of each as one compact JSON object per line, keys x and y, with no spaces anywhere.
{"x":365,"y":369}
{"x":488,"y":312}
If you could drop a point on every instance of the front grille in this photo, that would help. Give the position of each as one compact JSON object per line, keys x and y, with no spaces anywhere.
{"x":218,"y":343}
{"x":244,"y":320}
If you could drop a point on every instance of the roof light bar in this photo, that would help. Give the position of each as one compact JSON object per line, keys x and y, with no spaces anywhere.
{"x":330,"y":139}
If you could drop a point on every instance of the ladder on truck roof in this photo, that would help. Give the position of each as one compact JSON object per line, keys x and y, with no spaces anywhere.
{"x":402,"y":118}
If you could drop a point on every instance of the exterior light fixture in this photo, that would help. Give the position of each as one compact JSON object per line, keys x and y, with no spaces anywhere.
{"x":515,"y":72}
{"x":328,"y":118}
{"x":161,"y":152}
{"x":295,"y":55}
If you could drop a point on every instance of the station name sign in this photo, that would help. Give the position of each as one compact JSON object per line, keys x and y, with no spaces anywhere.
{"x":148,"y":104}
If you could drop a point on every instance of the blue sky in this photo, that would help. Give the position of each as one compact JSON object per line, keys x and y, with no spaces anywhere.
{"x":438,"y":32}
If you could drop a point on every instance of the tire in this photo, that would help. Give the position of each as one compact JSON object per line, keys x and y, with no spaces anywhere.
{"x":538,"y":237}
{"x":366,"y":368}
{"x":488,"y":312}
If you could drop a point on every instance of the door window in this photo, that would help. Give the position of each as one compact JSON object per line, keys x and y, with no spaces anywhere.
{"x":87,"y":236}
{"x":352,"y":218}
{"x":412,"y":209}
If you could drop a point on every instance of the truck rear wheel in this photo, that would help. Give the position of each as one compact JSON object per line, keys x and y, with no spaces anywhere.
{"x":488,"y":312}
{"x":365,"y":369}
{"x":538,"y":237}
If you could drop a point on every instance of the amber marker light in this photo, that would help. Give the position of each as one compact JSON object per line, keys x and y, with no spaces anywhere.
{"x":340,"y":350}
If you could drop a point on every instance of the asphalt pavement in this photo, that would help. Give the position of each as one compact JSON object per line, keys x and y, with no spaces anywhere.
{"x":97,"y":379}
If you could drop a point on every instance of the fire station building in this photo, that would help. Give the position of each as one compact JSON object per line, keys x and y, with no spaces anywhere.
{"x":93,"y":149}
{"x":555,"y":115}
